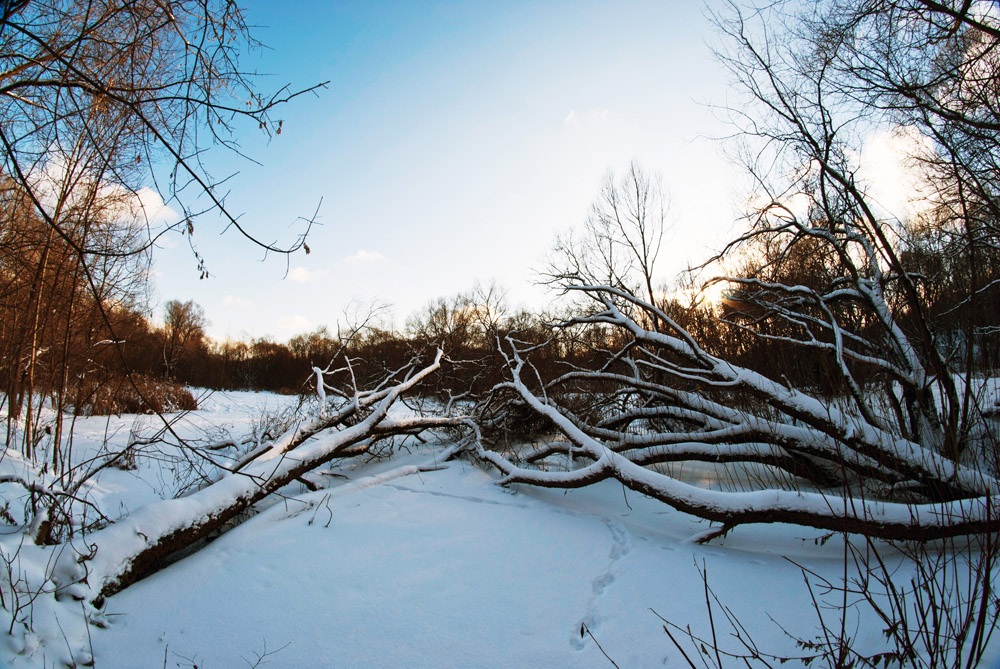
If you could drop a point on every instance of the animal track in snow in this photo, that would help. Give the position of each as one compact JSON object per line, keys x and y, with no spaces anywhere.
{"x":602,"y":582}
{"x":474,"y":500}
{"x":621,"y":545}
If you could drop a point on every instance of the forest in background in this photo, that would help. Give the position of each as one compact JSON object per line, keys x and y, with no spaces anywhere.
{"x":79,"y":337}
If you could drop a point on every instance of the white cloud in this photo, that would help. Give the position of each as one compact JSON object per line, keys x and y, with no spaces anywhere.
{"x":887,"y":169}
{"x":303,"y":275}
{"x":289,"y":325}
{"x":233,"y":301}
{"x":55,"y":180}
{"x":363,"y":256}
{"x":147,"y":205}
{"x":578,"y":120}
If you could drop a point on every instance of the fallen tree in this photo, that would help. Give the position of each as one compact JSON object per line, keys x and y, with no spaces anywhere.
{"x":856,"y":415}
{"x":104,"y":562}
{"x":848,"y":352}
{"x":636,"y":413}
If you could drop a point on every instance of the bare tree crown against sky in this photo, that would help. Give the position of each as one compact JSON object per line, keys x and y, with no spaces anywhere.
{"x":128,"y":96}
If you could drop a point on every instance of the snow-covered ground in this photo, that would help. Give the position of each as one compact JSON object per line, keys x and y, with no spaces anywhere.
{"x":390,"y":568}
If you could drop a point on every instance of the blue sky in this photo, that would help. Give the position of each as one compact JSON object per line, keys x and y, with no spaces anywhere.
{"x":454,"y":142}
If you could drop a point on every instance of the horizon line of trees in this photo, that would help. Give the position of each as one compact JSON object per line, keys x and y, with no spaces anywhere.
{"x":58,"y":341}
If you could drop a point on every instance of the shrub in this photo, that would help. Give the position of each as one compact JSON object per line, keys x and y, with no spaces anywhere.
{"x":140,"y":394}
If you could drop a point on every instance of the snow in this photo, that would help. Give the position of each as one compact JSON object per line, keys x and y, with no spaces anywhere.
{"x":418,"y":563}
{"x":444,"y":569}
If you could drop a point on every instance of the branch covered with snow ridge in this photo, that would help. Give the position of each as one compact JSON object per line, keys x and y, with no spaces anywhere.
{"x":665,"y":399}
{"x":133,"y":547}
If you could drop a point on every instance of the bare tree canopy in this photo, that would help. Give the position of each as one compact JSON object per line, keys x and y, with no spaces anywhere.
{"x":853,"y":335}
{"x":106,"y":111}
{"x":622,"y":236}
{"x":108,"y":93}
{"x":184,"y":326}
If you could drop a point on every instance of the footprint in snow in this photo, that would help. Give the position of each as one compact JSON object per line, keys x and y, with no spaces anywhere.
{"x":602,"y":582}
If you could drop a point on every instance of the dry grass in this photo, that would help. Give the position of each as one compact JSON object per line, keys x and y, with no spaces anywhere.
{"x":140,"y":394}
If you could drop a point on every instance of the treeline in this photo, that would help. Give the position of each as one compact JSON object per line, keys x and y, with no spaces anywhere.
{"x":467,"y":330}
{"x":72,"y":328}
{"x":79,"y":350}
{"x":68,"y":302}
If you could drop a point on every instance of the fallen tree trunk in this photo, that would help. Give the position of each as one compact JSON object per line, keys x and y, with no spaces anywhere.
{"x":136,"y":546}
{"x":864,"y":479}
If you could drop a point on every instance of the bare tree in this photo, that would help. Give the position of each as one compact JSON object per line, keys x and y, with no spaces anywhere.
{"x":898,"y":446}
{"x":129,"y":85}
{"x":106,"y":109}
{"x":183,"y":331}
{"x":819,"y":89}
{"x":622,"y":236}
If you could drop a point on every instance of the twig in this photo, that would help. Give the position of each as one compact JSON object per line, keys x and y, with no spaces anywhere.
{"x":584,"y":628}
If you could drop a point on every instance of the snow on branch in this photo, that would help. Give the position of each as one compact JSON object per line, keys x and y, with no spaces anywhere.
{"x":134,"y":546}
{"x":665,"y":399}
